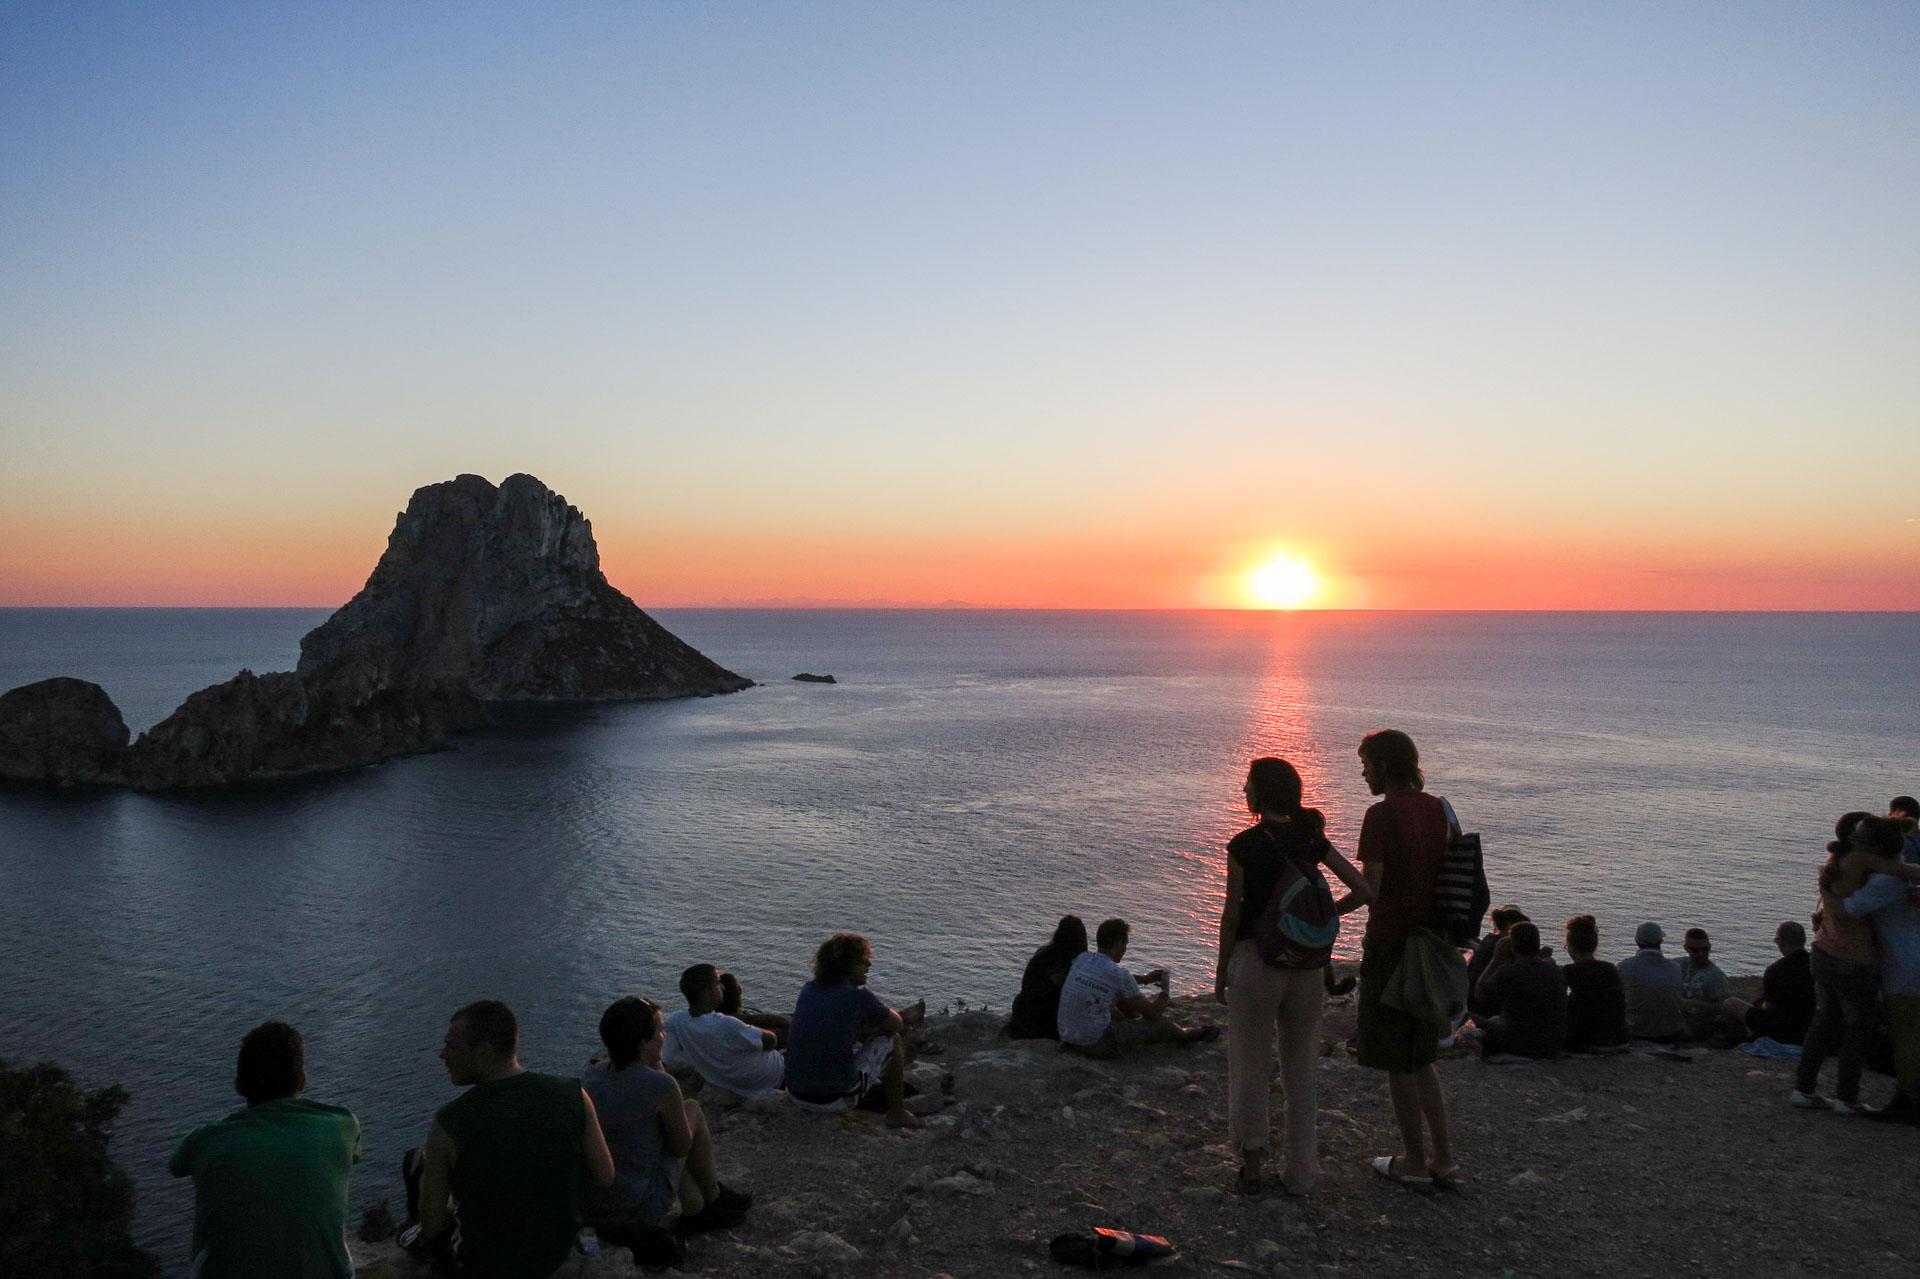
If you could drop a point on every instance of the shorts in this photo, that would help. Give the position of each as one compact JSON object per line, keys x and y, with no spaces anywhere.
{"x":1390,"y":1040}
{"x":869,"y":1090}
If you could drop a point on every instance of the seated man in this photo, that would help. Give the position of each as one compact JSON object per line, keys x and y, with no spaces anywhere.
{"x":1652,"y":986}
{"x":1524,"y":998}
{"x":723,"y":1050}
{"x":515,"y":1151}
{"x":732,"y":1003}
{"x":846,"y":1048}
{"x":1703,"y":987}
{"x":1102,"y":1009}
{"x":1785,"y":1009}
{"x":270,"y":1181}
{"x":662,"y":1151}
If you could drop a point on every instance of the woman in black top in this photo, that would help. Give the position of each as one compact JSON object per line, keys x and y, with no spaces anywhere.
{"x":1288,"y":838}
{"x":1036,"y":1009}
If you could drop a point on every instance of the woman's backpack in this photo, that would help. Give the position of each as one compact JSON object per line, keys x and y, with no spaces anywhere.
{"x":1300,"y":922}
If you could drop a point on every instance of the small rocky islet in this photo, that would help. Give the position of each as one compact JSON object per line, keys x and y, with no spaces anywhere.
{"x":487,"y":594}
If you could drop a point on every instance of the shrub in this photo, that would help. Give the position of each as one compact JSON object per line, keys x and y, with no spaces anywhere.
{"x":65,"y":1205}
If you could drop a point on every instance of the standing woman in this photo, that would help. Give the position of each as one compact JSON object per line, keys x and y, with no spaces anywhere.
{"x":1403,"y":843}
{"x":1259,"y":995}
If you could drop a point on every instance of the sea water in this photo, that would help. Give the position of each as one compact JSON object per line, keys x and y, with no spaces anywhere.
{"x":973,"y":776}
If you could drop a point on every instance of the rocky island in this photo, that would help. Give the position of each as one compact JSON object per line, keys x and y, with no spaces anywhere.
{"x":486,"y":594}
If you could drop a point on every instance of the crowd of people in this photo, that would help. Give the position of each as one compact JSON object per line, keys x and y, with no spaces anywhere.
{"x":515,"y":1166}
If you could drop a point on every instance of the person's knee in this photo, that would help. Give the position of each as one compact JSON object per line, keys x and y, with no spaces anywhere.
{"x":695,"y":1115}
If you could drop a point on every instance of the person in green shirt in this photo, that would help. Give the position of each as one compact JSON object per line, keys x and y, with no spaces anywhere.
{"x":270,"y":1180}
{"x":514,"y":1152}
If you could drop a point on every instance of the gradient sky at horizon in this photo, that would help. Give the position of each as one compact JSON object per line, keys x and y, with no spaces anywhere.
{"x":1474,"y":306}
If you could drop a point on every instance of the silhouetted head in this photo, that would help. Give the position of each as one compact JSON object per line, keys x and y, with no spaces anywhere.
{"x":273,"y":1064}
{"x":700,"y":987}
{"x":1840,"y":845}
{"x":1069,"y":936}
{"x":1698,"y":945}
{"x":1526,"y":939}
{"x":1505,"y":917}
{"x":842,"y":960}
{"x":1790,"y":936}
{"x":1390,"y":761}
{"x":1649,"y":936}
{"x":1273,"y":789}
{"x":482,"y":1040}
{"x":1904,"y":806}
{"x":1111,"y":938}
{"x":1881,"y":836}
{"x":1583,"y":935}
{"x":627,"y":1027}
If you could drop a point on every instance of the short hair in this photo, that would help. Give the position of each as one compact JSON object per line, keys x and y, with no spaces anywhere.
{"x":489,"y":1023}
{"x":1395,"y":759}
{"x":1793,"y":931}
{"x":1583,"y":933}
{"x":628,"y":1023}
{"x":1649,"y":936}
{"x":838,"y":956}
{"x":1905,"y":805}
{"x":1696,"y":934}
{"x":1111,"y":933}
{"x":1526,"y":939}
{"x":1505,"y":917}
{"x":272,"y":1055}
{"x":695,"y":981}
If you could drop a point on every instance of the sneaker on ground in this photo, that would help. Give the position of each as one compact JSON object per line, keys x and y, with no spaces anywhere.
{"x":1839,"y":1107}
{"x":1809,"y":1100}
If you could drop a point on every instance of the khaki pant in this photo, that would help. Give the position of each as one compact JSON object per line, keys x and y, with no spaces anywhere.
{"x":1260,"y":1000}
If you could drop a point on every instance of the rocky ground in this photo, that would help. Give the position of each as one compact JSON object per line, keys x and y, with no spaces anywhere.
{"x":1610,"y":1166}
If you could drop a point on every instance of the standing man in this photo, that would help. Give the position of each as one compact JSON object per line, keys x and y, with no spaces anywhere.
{"x":1889,"y":902}
{"x":1905,"y":809}
{"x":270,"y":1181}
{"x":514,"y":1151}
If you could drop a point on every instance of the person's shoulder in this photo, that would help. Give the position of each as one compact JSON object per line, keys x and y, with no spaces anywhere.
{"x":680,"y":1019}
{"x":321,"y":1110}
{"x":1251,"y":837}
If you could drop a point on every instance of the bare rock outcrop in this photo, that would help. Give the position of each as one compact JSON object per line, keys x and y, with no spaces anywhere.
{"x":60,"y":730}
{"x":498,"y":592}
{"x":485,"y":595}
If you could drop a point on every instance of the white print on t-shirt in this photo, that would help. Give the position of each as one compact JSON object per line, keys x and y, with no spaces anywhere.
{"x":1094,"y":984}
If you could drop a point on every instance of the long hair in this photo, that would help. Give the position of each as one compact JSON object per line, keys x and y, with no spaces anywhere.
{"x":1395,"y":759}
{"x":1840,"y":845}
{"x":834,"y":962}
{"x":1069,"y":936}
{"x":1276,"y":789}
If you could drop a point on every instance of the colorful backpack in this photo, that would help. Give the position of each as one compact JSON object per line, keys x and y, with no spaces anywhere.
{"x":1298,"y":927}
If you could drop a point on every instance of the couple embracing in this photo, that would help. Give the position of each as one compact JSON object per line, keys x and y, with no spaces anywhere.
{"x":1273,"y":880}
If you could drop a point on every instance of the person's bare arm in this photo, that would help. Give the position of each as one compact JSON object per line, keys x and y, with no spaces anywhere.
{"x":1229,"y":927}
{"x":676,"y":1134}
{"x":436,"y":1184}
{"x":768,"y":1041}
{"x":593,"y":1144}
{"x":1361,"y":889}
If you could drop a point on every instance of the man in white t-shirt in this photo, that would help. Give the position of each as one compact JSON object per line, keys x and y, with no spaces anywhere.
{"x":723,"y":1050}
{"x":1102,"y":1009}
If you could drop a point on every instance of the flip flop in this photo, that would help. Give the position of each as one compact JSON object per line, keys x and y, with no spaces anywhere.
{"x":1382,"y":1166}
{"x":1448,"y":1180}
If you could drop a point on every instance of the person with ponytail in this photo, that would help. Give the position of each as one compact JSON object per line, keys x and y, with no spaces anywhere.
{"x":1846,"y":962}
{"x":1287,"y":837}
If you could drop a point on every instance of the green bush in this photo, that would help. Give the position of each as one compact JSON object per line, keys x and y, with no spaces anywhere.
{"x":65,"y":1205}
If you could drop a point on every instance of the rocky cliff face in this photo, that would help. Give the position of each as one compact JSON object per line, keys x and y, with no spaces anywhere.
{"x":498,"y":592}
{"x":484,"y":595}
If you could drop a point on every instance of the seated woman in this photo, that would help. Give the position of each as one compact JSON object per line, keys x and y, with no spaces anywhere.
{"x":846,"y":1048}
{"x":1036,"y":1009}
{"x":661,"y":1149}
{"x":1596,"y":1002}
{"x":1526,"y":996}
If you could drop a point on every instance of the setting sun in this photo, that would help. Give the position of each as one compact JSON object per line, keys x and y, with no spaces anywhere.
{"x":1282,"y":582}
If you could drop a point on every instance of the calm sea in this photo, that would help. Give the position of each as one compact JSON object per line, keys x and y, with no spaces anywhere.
{"x":973,"y":776}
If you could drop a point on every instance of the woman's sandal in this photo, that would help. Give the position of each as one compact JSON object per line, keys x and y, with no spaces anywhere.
{"x":1448,"y":1180}
{"x":1382,"y":1166}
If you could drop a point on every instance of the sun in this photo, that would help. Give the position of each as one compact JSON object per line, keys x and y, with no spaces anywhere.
{"x":1282,"y":581}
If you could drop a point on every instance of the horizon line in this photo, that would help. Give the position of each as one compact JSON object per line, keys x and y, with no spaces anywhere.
{"x":825,"y":607}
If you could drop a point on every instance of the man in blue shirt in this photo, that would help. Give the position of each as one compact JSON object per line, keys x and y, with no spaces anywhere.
{"x":1889,"y":902}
